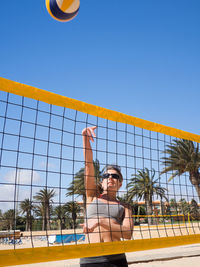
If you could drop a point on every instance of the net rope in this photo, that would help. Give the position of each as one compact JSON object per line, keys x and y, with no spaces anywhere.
{"x":43,"y":199}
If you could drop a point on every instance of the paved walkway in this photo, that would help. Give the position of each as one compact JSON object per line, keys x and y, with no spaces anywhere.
{"x":164,"y":254}
{"x":182,"y":256}
{"x":181,"y":262}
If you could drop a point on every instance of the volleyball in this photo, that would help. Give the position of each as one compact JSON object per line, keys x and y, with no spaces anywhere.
{"x":63,"y":10}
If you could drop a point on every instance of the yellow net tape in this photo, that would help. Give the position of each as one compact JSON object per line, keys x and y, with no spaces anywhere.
{"x":58,"y":100}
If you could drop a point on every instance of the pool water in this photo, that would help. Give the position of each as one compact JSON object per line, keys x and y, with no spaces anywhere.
{"x":69,"y":238}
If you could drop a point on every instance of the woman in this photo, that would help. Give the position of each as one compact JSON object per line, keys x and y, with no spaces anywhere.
{"x":106,"y":219}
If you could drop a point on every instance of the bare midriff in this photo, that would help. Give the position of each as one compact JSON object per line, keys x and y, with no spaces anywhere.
{"x":101,"y":234}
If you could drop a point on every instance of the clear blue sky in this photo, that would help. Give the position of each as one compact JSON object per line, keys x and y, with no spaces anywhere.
{"x":139,"y":57}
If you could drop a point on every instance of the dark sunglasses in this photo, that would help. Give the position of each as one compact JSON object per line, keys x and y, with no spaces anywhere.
{"x":113,"y":175}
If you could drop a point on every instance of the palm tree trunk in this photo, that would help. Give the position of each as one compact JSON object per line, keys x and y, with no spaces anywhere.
{"x":195,"y":180}
{"x":84,"y":202}
{"x":197,"y":187}
{"x":26,"y":223}
{"x":138,"y":213}
{"x":74,"y":217}
{"x":149,"y":209}
{"x":29,"y":222}
{"x":59,"y":224}
{"x":48,"y":218}
{"x":63,"y":225}
{"x":43,"y":222}
{"x":162,"y":207}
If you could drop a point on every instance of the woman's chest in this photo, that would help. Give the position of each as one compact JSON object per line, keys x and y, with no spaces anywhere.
{"x":106,"y":210}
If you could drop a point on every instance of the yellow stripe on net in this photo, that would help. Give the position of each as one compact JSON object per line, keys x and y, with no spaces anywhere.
{"x":36,"y":255}
{"x":54,"y":99}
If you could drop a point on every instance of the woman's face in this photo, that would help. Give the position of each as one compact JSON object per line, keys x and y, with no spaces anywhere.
{"x":111,"y":183}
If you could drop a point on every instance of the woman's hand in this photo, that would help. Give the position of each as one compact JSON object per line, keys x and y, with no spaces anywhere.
{"x":89,"y":131}
{"x":90,"y":225}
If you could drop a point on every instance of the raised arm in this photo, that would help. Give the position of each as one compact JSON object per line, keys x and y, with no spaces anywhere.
{"x":90,"y":183}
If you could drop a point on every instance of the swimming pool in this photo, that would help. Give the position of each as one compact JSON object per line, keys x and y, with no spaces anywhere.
{"x":69,"y":238}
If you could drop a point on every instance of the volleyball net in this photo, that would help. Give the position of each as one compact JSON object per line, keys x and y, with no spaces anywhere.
{"x":42,"y":194}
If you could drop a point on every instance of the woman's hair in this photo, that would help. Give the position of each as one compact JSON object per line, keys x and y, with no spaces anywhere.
{"x":116,"y":168}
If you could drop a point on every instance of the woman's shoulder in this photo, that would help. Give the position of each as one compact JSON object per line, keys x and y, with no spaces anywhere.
{"x":91,"y":200}
{"x":125,"y":204}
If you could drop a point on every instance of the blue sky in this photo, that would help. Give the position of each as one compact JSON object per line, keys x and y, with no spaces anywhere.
{"x":139,"y":57}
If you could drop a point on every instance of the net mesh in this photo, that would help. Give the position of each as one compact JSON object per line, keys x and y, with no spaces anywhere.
{"x":42,"y":192}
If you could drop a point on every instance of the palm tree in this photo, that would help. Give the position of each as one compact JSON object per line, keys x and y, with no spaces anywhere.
{"x":184,"y":206}
{"x":124,"y":199}
{"x":44,"y":197}
{"x":183,"y":156}
{"x":9,"y":219}
{"x":60,"y":212}
{"x":26,"y":207}
{"x":144,"y":185}
{"x":77,"y":186}
{"x":39,"y":212}
{"x":173,"y":206}
{"x":194,"y":210}
{"x":73,"y":209}
{"x":137,"y":210}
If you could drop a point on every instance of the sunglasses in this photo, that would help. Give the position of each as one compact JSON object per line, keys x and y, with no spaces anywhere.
{"x":113,"y":175}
